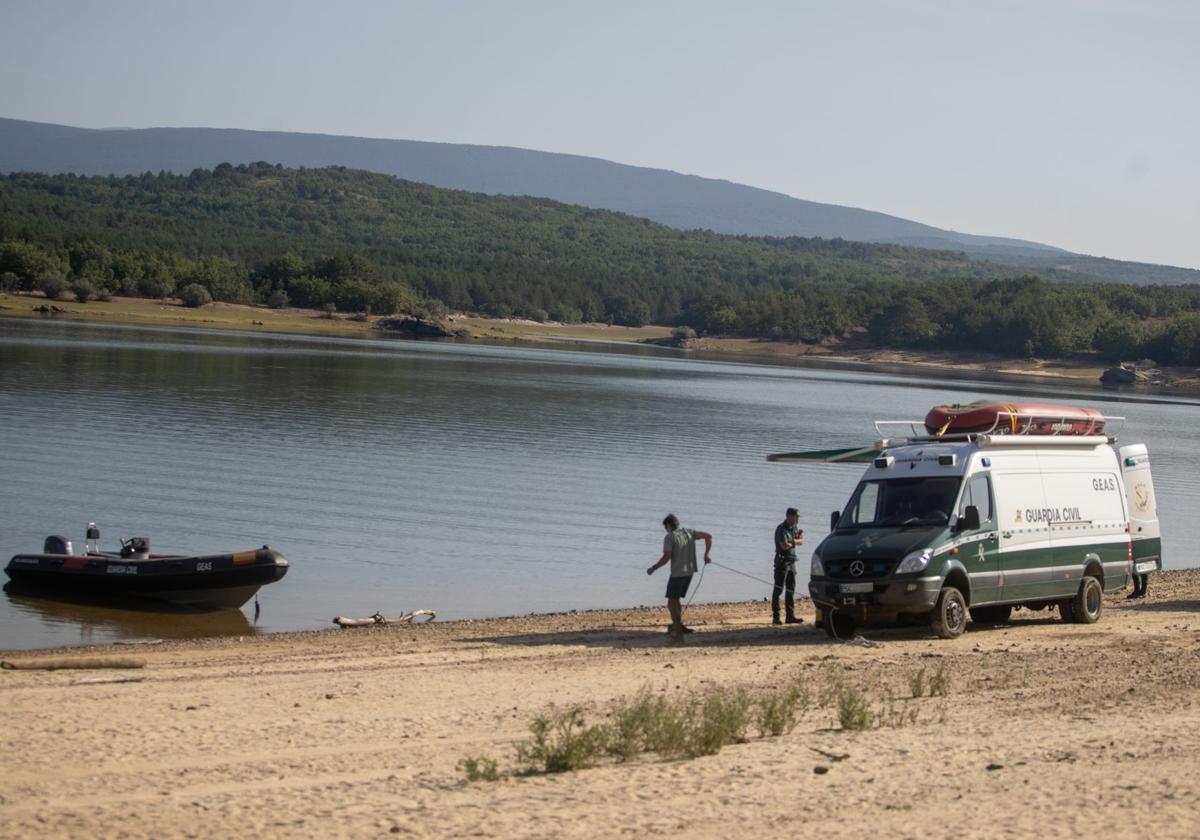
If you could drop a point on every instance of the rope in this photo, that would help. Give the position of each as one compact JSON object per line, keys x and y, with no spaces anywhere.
{"x":769,"y":583}
{"x":694,"y":591}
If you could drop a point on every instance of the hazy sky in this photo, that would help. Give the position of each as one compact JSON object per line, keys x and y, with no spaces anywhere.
{"x":1069,"y":122}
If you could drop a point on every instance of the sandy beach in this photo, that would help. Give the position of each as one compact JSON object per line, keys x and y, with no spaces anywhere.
{"x":1045,"y":727}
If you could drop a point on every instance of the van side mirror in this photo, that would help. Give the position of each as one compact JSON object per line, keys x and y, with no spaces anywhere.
{"x":833,"y":520}
{"x":969,"y":521}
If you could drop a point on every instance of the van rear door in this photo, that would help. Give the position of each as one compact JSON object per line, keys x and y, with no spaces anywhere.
{"x":1143,"y":508}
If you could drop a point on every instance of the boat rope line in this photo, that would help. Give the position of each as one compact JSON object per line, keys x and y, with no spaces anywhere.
{"x":700,"y":581}
{"x":769,"y":583}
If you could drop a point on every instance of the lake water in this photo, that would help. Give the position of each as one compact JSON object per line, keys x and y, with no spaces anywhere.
{"x":473,"y":480}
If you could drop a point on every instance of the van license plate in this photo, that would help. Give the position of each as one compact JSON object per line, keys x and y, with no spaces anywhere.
{"x":856,"y":587}
{"x":1146,"y":566}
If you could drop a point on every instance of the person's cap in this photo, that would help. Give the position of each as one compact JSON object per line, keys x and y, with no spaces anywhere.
{"x":792,"y":512}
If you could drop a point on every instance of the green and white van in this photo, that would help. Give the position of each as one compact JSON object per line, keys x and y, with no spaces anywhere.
{"x":946,"y":531}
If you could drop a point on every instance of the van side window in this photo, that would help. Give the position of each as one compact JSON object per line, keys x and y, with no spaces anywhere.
{"x":865,"y":509}
{"x":979,"y":493}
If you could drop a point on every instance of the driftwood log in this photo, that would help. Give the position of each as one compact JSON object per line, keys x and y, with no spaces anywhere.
{"x":380,"y":620}
{"x":71,"y":664}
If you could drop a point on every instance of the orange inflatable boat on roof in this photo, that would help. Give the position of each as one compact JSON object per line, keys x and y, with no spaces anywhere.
{"x":1013,"y":419}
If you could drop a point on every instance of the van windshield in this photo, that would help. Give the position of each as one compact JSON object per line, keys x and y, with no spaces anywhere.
{"x":901,"y":501}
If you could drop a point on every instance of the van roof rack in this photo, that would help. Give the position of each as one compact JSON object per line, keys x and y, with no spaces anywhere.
{"x":918,"y":433}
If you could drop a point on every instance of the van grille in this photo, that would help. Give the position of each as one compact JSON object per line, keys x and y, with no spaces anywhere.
{"x":873,"y":568}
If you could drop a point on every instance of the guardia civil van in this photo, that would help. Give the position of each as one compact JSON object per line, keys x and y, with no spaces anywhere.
{"x":1040,"y":509}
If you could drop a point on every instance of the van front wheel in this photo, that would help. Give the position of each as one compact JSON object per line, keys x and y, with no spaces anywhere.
{"x":1088,"y":602}
{"x":949,"y":618}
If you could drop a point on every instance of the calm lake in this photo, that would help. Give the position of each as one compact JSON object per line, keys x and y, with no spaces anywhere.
{"x":473,"y":480}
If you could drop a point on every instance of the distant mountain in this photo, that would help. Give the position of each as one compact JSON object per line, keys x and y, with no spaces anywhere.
{"x":681,"y":201}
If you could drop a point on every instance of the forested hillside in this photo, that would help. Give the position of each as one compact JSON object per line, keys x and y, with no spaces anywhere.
{"x":362,"y":241}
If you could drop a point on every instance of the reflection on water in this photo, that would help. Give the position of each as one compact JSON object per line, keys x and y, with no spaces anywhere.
{"x":473,"y":480}
{"x":102,"y":620}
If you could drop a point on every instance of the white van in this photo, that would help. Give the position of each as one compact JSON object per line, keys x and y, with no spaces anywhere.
{"x":942,"y":528}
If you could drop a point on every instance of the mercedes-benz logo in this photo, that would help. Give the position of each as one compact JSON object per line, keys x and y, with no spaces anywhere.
{"x":857,"y":568}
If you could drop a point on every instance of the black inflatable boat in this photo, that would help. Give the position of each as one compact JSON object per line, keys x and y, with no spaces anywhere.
{"x":212,"y":581}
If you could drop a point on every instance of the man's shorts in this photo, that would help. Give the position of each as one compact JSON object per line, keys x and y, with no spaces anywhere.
{"x":677,"y":587}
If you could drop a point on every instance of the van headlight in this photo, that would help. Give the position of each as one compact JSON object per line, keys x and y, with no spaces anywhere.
{"x":916,"y":561}
{"x":817,"y":569}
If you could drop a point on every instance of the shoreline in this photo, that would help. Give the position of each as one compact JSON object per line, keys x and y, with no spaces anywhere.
{"x":362,"y":732}
{"x":590,"y":618}
{"x":507,"y":332}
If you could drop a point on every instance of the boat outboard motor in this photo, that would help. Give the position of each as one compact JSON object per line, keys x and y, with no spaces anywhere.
{"x":57,"y":545}
{"x":93,"y":538}
{"x":135,"y":548}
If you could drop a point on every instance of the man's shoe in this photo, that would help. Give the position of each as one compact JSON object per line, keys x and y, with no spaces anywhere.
{"x":791,"y":619}
{"x":685,"y":629}
{"x":775,"y":620}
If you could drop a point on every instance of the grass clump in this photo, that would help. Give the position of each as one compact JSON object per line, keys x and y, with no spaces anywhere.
{"x":854,"y":709}
{"x":562,"y":741}
{"x":896,"y":712}
{"x":939,"y":683}
{"x":724,"y":718}
{"x":916,"y":682}
{"x":647,"y":724}
{"x":686,"y":727}
{"x":776,"y":712}
{"x":479,"y":768}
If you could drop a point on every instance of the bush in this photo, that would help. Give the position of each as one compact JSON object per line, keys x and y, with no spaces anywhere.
{"x":681,"y":334}
{"x":389,"y":298}
{"x":479,"y":768}
{"x":310,"y":292}
{"x":194,"y":295}
{"x":673,"y":728}
{"x":84,"y":290}
{"x":278,"y":299}
{"x":939,"y":684}
{"x":562,"y":741}
{"x":354,"y":296}
{"x":9,"y":282}
{"x":565,"y":313}
{"x":52,"y":286}
{"x":916,"y":682}
{"x":724,"y":719}
{"x":777,"y":710}
{"x":156,"y":287}
{"x":895,"y":712}
{"x":647,"y":724}
{"x":329,"y":310}
{"x":428,"y":309}
{"x":854,"y":712}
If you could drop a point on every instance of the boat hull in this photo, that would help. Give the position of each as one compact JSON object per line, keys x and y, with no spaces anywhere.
{"x":1013,"y":418}
{"x":214,"y":581}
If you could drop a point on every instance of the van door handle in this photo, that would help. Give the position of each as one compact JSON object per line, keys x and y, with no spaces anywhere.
{"x":1007,"y":535}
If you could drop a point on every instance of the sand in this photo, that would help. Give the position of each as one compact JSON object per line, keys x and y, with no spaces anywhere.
{"x":1048,"y":729}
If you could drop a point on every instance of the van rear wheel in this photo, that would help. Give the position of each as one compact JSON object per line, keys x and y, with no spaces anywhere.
{"x":1088,"y":602}
{"x":949,"y":618}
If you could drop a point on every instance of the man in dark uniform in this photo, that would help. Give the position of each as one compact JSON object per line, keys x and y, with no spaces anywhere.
{"x":787,"y":537}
